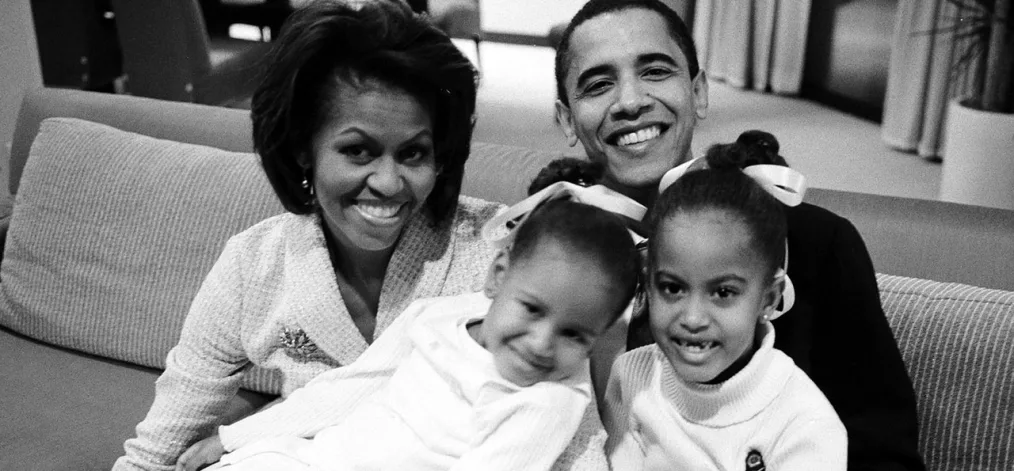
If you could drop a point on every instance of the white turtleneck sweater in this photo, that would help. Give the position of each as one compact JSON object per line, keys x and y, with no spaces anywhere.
{"x":424,"y":396}
{"x":768,"y":414}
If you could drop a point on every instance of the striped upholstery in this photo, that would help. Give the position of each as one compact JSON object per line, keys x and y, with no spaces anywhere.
{"x":958,"y":345}
{"x":502,"y":173}
{"x":113,"y":232}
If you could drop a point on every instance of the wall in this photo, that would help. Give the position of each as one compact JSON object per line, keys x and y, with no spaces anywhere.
{"x":848,"y":51}
{"x":507,"y":19}
{"x":518,"y":17}
{"x":19,"y":71}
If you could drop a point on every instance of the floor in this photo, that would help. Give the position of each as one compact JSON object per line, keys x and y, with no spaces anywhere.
{"x":833,"y":149}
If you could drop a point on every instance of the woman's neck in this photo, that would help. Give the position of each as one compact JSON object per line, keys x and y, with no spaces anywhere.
{"x":360,"y":277}
{"x":356,"y":264}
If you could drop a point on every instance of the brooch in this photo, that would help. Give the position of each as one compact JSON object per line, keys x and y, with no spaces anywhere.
{"x":297,"y":344}
{"x":754,"y":461}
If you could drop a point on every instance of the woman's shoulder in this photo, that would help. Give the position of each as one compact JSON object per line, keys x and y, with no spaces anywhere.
{"x":470,"y":215}
{"x":476,"y":211}
{"x":279,"y":229}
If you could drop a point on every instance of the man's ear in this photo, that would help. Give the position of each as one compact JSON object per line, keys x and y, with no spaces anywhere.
{"x":566,"y":122}
{"x":497,"y":274}
{"x":700,"y":85}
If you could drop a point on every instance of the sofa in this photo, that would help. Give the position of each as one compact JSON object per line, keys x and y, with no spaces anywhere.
{"x":121,"y":205}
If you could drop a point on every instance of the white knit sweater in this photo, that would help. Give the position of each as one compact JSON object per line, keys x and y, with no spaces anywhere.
{"x":424,"y":396}
{"x":769,"y":410}
{"x":277,"y":277}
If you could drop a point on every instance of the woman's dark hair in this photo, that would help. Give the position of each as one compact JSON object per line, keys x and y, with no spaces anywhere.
{"x":731,"y":190}
{"x":328,"y":43}
{"x":588,"y":231}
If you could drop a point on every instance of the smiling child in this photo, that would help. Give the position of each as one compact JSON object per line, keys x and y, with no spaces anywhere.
{"x":490,"y":380}
{"x":712,"y":392}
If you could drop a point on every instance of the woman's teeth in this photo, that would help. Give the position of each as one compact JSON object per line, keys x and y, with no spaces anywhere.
{"x":639,"y":136}
{"x":379,"y":211}
{"x":697,"y":346}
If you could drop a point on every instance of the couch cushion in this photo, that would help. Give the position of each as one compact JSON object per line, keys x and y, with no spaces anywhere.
{"x":958,"y":345}
{"x":66,"y":411}
{"x":112,"y":233}
{"x":496,"y":172}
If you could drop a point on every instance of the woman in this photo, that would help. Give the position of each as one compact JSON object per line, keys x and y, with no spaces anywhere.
{"x":363,"y":123}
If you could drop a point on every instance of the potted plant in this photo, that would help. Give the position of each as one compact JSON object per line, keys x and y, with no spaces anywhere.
{"x":978,"y":165}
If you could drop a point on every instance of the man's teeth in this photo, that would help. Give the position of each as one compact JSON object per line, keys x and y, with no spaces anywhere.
{"x":380,"y":211}
{"x":696,"y":345}
{"x":639,"y":136}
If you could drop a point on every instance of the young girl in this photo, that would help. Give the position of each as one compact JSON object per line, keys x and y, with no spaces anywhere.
{"x":712,"y":393}
{"x":491,"y":380}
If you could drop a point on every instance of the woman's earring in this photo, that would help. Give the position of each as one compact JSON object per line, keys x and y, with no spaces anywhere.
{"x":308,"y":187}
{"x":765,"y":318}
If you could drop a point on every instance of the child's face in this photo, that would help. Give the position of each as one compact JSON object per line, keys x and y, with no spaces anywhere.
{"x":707,"y":291}
{"x":548,"y":309}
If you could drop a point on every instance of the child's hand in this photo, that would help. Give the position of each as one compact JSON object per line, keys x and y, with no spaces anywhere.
{"x":201,"y":454}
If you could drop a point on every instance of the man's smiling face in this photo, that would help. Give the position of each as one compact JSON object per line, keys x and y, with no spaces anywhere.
{"x":631,"y":100}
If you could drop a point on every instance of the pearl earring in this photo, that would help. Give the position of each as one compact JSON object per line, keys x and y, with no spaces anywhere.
{"x":308,"y":188}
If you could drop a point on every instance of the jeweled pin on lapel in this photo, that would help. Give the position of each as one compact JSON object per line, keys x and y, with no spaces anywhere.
{"x":754,"y":461}
{"x":297,"y":344}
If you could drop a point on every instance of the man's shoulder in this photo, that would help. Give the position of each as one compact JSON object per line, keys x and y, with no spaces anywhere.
{"x":812,"y":225}
{"x":811,"y":215}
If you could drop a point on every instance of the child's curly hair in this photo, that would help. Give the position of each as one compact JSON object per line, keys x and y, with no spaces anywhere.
{"x":753,"y":147}
{"x":567,"y":169}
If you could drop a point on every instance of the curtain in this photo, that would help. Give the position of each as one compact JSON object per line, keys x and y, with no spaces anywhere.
{"x":921,"y":79}
{"x":758,"y":44}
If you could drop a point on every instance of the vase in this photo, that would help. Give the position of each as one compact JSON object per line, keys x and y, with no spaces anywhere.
{"x":978,"y":166}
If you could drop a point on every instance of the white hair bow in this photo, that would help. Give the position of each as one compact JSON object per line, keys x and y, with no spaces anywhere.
{"x":499,"y":231}
{"x":785,"y":184}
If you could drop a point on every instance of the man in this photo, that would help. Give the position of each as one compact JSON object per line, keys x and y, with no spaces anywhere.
{"x":630,"y":91}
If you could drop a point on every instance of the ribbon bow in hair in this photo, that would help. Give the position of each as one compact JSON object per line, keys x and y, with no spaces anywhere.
{"x":785,"y":184}
{"x":499,"y":231}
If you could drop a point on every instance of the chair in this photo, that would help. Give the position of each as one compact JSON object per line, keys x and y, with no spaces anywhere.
{"x":168,"y":54}
{"x":265,"y":14}
{"x":77,"y":44}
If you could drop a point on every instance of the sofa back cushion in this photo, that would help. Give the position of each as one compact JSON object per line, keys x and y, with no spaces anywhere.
{"x":497,"y":172}
{"x":958,"y":345}
{"x":113,"y":232}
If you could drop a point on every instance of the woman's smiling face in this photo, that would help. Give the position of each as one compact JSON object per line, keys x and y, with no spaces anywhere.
{"x":373,"y":163}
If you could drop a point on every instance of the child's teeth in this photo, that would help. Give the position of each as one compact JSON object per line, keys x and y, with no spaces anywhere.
{"x":698,"y":346}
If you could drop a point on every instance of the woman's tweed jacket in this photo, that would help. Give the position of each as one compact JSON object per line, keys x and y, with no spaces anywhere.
{"x":269,"y":315}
